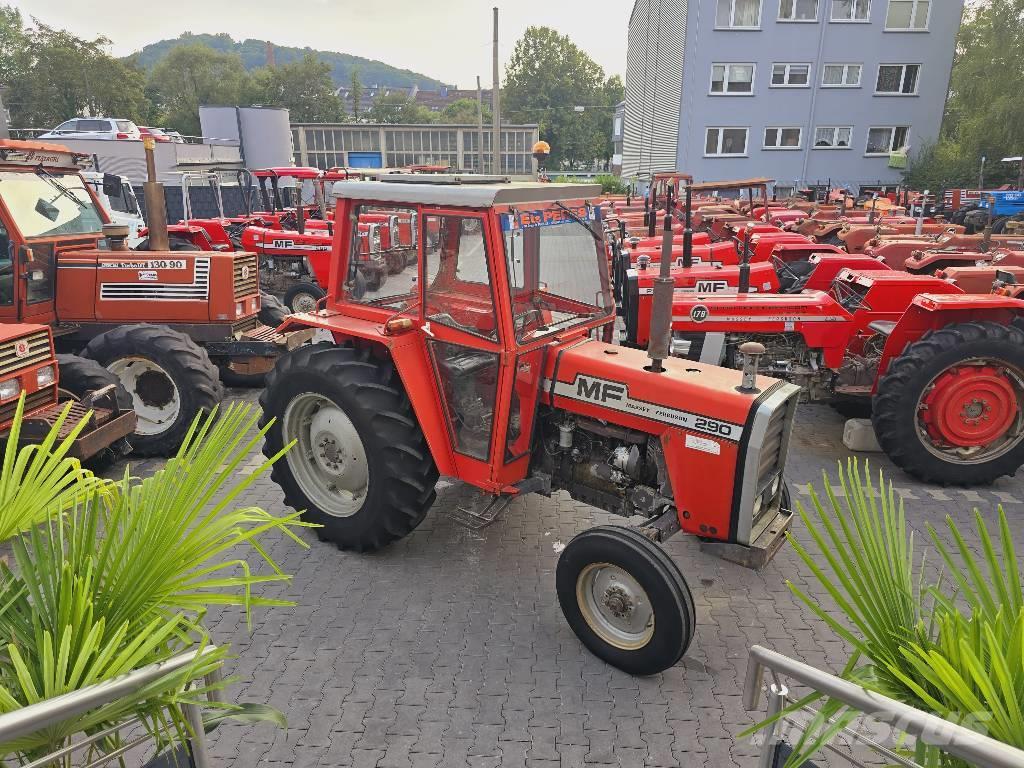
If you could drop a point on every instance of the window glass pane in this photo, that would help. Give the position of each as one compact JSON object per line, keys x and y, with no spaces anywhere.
{"x":779,"y":74}
{"x":879,"y":140}
{"x":806,"y":10}
{"x":921,"y":15}
{"x":798,"y":74}
{"x":469,"y":383}
{"x":786,"y":9}
{"x":790,"y":137}
{"x":459,"y":292}
{"x":724,"y":16}
{"x":843,"y":138}
{"x":740,"y":77}
{"x":823,"y":137}
{"x":711,"y":142}
{"x":910,"y":79}
{"x":853,"y":74}
{"x":718,"y":78}
{"x":382,"y":270}
{"x":833,"y":74}
{"x":899,"y":139}
{"x":900,"y":12}
{"x":747,"y":13}
{"x":889,"y":77}
{"x":734,"y":141}
{"x":6,"y":267}
{"x":771,"y":137}
{"x":93,"y":125}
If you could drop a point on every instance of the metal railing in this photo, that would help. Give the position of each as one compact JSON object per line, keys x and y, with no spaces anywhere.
{"x":950,"y":738}
{"x":45,"y":714}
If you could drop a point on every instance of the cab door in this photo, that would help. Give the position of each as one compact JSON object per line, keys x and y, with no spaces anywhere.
{"x":8,"y":276}
{"x":464,"y":339}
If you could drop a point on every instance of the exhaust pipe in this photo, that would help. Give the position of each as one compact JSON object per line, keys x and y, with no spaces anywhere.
{"x":752,"y":352}
{"x":919,"y":226}
{"x":688,"y":232}
{"x":156,"y":202}
{"x":660,"y":345}
{"x":744,"y":276}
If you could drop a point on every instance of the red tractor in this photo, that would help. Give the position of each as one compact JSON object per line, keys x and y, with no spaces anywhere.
{"x":481,"y":361}
{"x":170,"y":325}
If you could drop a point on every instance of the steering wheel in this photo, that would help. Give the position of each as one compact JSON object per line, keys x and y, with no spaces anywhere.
{"x":289,"y":220}
{"x":522,"y":321}
{"x":792,"y":275}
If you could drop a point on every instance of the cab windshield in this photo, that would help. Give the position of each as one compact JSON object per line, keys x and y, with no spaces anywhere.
{"x":44,"y":204}
{"x":557,"y":268}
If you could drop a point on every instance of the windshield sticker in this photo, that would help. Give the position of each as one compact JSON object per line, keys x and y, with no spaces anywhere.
{"x":549,"y":217}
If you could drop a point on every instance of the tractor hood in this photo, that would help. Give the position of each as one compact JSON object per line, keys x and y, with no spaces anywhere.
{"x":609,"y":382}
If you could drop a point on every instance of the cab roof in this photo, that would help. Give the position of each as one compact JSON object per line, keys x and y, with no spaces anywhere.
{"x":461,"y":191}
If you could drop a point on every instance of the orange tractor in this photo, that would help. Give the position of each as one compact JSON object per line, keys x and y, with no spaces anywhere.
{"x":169,"y":324}
{"x":481,"y":361}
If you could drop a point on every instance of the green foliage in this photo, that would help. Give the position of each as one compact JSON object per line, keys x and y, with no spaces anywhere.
{"x":304,"y":87}
{"x":41,"y":477}
{"x":193,"y":75}
{"x":984,"y":112}
{"x":397,"y":107}
{"x":611,"y":185}
{"x":547,"y":76}
{"x":953,"y":647}
{"x":464,"y":112}
{"x":53,"y":75}
{"x":123,"y":579}
{"x":253,"y":54}
{"x":356,"y":88}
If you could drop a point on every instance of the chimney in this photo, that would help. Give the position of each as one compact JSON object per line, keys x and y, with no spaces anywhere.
{"x":270,"y":54}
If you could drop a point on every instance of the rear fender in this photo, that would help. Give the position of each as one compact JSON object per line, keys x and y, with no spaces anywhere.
{"x":931,"y":312}
{"x":410,"y":358}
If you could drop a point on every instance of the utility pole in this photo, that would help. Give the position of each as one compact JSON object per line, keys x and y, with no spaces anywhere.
{"x":479,"y":126}
{"x":981,"y":173}
{"x":496,"y":102}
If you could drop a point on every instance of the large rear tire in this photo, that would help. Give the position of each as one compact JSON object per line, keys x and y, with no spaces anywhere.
{"x":169,"y":377}
{"x":361,"y":467}
{"x":625,"y":599}
{"x":950,"y":409}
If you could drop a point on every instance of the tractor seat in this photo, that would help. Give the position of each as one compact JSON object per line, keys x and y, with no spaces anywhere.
{"x":883,"y":327}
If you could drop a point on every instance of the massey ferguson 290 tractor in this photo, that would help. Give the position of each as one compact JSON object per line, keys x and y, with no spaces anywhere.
{"x":169,"y":324}
{"x":480,"y":361}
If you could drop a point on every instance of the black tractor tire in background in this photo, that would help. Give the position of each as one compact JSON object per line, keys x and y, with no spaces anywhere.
{"x":367,"y":390}
{"x":594,"y":614}
{"x":901,"y":388}
{"x":302,"y":294}
{"x":175,"y":369}
{"x":272,"y":311}
{"x":176,"y":243}
{"x":358,"y":289}
{"x":78,"y":377}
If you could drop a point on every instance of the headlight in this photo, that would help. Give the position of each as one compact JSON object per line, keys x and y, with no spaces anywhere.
{"x":255,"y":305}
{"x":375,"y":240}
{"x":45,"y":376}
{"x":9,"y":389}
{"x":239,"y":309}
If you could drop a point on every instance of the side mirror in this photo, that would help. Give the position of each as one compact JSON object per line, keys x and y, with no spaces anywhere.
{"x":111,"y":185}
{"x":47,"y":209}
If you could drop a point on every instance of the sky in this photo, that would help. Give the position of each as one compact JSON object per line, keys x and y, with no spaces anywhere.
{"x":449,"y":40}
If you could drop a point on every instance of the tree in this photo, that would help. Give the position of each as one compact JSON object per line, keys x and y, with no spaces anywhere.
{"x":547,"y":78}
{"x":304,"y":87}
{"x":54,"y":76}
{"x":357,"y":94}
{"x":464,"y":111}
{"x":193,"y":75}
{"x":985,"y":111}
{"x":397,"y":107}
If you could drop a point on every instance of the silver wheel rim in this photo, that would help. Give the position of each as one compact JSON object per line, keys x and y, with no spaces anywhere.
{"x":304,"y":302}
{"x":328,"y":460}
{"x":615,"y":606}
{"x":155,"y":396}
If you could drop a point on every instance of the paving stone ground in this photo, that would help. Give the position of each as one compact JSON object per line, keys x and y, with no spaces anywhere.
{"x":448,"y":648}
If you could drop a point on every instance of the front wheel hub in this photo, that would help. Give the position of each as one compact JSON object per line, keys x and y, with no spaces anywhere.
{"x":970,"y":406}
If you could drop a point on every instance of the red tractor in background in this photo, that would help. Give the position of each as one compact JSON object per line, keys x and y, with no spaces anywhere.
{"x":169,"y":324}
{"x":480,"y":361}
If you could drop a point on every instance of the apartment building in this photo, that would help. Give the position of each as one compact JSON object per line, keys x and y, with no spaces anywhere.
{"x":802,"y":91}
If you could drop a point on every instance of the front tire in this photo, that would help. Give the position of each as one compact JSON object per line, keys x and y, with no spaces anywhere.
{"x":361,"y":467}
{"x":169,"y":377}
{"x":950,"y":409}
{"x":625,"y":600}
{"x":78,"y":377}
{"x":302,"y":297}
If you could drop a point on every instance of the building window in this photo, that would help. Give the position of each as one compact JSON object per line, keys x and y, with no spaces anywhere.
{"x":798,"y":10}
{"x":782,"y":138}
{"x":898,"y":79}
{"x":831,"y":137}
{"x":882,"y":141}
{"x":841,"y":76}
{"x":851,"y":10}
{"x":732,"y":79}
{"x":726,"y":142}
{"x":908,"y":15}
{"x":791,"y":75}
{"x":738,"y":14}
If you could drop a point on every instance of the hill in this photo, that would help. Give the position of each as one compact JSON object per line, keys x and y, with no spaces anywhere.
{"x":254,"y":55}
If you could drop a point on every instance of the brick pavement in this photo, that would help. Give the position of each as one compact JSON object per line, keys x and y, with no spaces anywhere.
{"x":449,"y":649}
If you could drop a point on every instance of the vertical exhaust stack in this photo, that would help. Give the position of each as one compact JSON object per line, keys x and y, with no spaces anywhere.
{"x":652,"y":222}
{"x":871,"y":215}
{"x":647,"y":209}
{"x":744,"y":276}
{"x":660,"y":345}
{"x":986,"y":238}
{"x":919,"y":226}
{"x":688,"y":232}
{"x":156,"y":202}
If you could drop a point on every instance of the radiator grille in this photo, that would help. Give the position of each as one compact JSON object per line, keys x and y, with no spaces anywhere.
{"x":35,"y":400}
{"x":39,"y":351}
{"x":245,"y":276}
{"x":776,"y":438}
{"x":199,"y":288}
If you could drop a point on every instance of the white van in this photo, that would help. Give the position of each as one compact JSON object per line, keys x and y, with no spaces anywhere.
{"x":117,"y":197}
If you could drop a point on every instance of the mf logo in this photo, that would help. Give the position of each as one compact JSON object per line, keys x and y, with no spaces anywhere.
{"x":711,"y":286}
{"x":699,"y":313}
{"x":283,"y":244}
{"x":598,"y":390}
